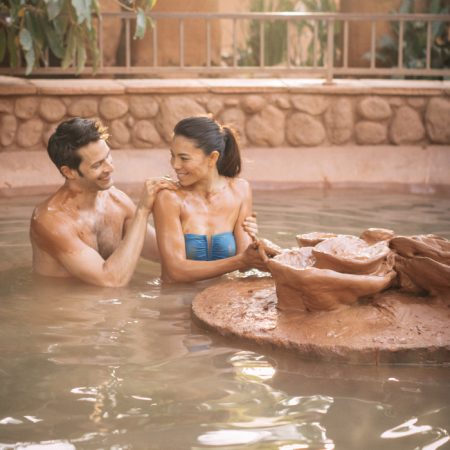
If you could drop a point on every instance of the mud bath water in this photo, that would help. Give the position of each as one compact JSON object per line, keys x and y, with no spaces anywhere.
{"x":85,"y":367}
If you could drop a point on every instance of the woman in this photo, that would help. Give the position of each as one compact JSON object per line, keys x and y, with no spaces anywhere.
{"x":199,"y":226}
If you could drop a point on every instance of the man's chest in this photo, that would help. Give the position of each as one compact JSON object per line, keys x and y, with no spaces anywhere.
{"x":102,"y":231}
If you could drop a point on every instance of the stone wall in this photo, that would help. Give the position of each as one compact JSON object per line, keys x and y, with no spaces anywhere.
{"x":142,"y":113}
{"x":390,"y":134}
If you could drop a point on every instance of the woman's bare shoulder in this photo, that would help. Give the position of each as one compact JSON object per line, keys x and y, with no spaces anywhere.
{"x":240,"y":185}
{"x":168,"y":197}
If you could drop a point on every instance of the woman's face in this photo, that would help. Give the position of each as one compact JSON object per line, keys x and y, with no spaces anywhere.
{"x":190,"y":162}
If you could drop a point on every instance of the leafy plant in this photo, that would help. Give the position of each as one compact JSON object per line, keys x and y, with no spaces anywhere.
{"x":32,"y":31}
{"x":275,"y":32}
{"x":415,"y":39}
{"x":322,"y":30}
{"x":274,"y":35}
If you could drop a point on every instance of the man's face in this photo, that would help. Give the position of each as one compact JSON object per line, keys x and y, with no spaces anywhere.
{"x":96,"y":166}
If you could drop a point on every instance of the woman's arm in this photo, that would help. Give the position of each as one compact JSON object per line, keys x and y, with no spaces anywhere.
{"x":244,"y":192}
{"x":170,"y":238}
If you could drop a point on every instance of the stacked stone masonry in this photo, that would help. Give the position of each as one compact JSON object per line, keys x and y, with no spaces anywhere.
{"x":262,"y":119}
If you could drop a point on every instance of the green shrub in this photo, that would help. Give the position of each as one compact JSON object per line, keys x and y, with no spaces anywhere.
{"x":275,"y":32}
{"x":415,"y":39}
{"x":34,"y":31}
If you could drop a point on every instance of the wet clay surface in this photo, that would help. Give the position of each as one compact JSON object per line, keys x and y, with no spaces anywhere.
{"x":423,"y":264}
{"x":393,"y":327}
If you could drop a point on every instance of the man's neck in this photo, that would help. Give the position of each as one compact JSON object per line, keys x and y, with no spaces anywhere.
{"x":79,"y":196}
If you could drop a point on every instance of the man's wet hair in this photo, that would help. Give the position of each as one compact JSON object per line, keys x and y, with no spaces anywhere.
{"x":69,"y":137}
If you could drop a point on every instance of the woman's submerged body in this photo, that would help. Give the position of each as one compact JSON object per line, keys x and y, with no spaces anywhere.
{"x":199,"y":226}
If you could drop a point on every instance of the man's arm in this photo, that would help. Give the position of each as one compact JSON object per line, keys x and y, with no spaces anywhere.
{"x":57,"y":235}
{"x":150,"y":249}
{"x":86,"y":263}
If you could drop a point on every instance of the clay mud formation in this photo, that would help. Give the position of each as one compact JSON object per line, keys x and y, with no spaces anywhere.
{"x":376,"y":298}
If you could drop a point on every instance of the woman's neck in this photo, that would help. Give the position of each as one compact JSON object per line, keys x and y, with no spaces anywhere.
{"x":210,"y":185}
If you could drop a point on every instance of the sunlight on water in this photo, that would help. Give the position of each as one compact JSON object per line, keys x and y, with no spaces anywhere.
{"x":88,"y":367}
{"x":251,"y":366}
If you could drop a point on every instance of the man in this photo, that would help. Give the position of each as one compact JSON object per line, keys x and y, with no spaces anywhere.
{"x":88,"y":229}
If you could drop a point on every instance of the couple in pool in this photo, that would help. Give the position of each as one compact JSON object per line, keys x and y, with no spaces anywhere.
{"x":92,"y":231}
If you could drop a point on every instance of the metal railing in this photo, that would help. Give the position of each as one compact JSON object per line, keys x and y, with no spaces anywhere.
{"x":328,"y":47}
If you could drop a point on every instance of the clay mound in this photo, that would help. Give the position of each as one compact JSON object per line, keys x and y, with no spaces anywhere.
{"x":312,"y":239}
{"x":337,"y":272}
{"x":395,"y":328}
{"x":313,"y":289}
{"x":423,"y":264}
{"x":373,"y":235}
{"x":429,"y":245}
{"x":349,"y":254}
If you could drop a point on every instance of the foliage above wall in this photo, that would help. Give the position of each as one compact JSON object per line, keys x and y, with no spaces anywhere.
{"x":276,"y":35}
{"x":33,"y":32}
{"x":415,"y":39}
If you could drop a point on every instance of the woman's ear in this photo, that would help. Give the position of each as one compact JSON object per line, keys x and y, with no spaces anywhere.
{"x":214,"y":157}
{"x":68,"y":173}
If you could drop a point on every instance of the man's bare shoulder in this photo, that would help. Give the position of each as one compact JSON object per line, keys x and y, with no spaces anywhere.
{"x":50,"y":218}
{"x":52,"y":208}
{"x":119,"y":196}
{"x":53,"y":230}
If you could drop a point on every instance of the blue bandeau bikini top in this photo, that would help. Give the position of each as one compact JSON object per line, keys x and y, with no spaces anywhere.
{"x":223,"y":245}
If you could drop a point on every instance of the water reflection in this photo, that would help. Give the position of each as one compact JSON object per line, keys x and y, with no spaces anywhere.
{"x":85,"y":367}
{"x":259,"y":413}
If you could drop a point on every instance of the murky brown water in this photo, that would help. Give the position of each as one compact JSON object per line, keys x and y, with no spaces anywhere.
{"x":89,"y":368}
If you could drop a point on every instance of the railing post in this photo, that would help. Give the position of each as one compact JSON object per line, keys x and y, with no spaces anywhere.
{"x":234,"y":44}
{"x":208,"y":43}
{"x":373,"y":36}
{"x":330,"y":52}
{"x":346,"y":44}
{"x":261,"y":44}
{"x":181,"y":31}
{"x":127,"y":43}
{"x":155,"y":42}
{"x":400,"y":44}
{"x":288,"y":45}
{"x":428,"y":51}
{"x":316,"y":37}
{"x":100,"y":39}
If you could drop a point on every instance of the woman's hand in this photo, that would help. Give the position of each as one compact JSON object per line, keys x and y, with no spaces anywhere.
{"x":151,"y":188}
{"x":255,"y":258}
{"x":251,"y":226}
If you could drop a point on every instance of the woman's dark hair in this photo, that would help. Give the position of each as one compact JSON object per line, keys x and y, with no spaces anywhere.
{"x":209,"y":135}
{"x":69,"y":137}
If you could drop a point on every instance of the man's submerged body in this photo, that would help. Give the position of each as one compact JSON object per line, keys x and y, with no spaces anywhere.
{"x":68,"y":221}
{"x":89,"y":229}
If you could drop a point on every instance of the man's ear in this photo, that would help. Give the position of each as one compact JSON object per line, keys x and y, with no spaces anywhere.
{"x":68,"y":173}
{"x":214,"y":157}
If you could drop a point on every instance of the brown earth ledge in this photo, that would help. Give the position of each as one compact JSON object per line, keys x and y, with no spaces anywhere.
{"x":394,"y":169}
{"x":16,"y":86}
{"x":20,"y":86}
{"x":396,"y":329}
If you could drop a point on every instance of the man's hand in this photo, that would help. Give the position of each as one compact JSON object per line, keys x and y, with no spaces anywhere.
{"x":151,"y":188}
{"x":250,"y":226}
